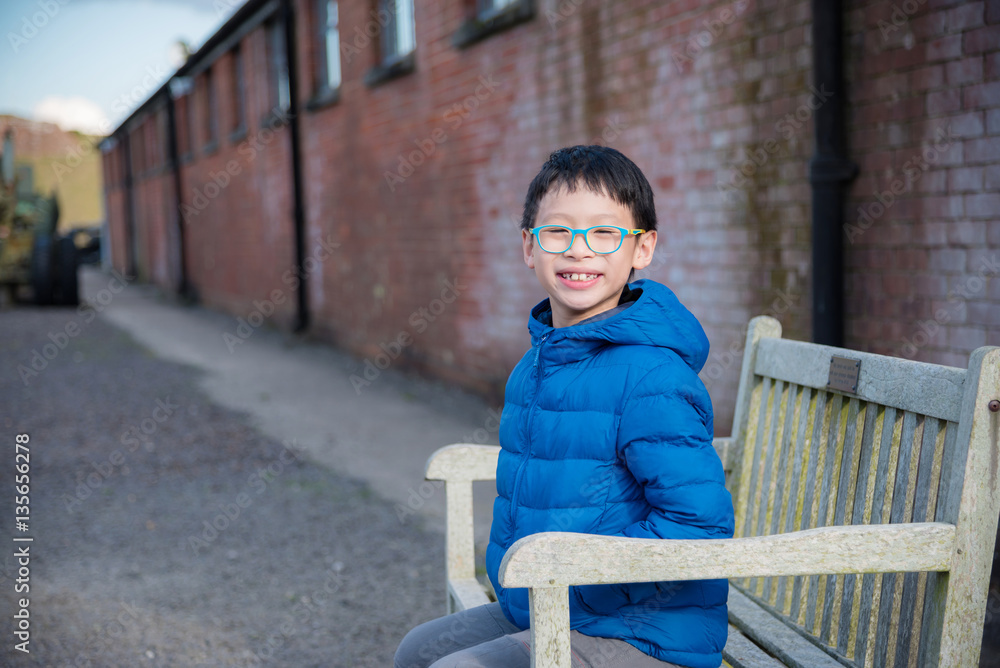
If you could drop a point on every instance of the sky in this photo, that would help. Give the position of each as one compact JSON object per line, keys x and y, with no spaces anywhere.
{"x":87,"y":64}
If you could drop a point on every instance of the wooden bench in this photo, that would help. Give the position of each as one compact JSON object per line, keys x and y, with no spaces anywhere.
{"x":856,"y":543}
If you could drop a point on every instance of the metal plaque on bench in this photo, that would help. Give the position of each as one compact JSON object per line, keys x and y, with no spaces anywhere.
{"x":843,"y":374}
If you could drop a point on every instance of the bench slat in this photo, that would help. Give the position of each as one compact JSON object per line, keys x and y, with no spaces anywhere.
{"x":740,"y":652}
{"x":914,"y":584}
{"x":881,"y":440}
{"x":851,"y":616}
{"x":890,"y":622}
{"x":843,"y":592}
{"x":778,"y":505}
{"x":799,"y":469}
{"x":467,"y":593}
{"x":774,"y":635}
{"x":773,"y":444}
{"x":914,"y":386}
{"x":821,"y":592}
{"x":755,"y":435}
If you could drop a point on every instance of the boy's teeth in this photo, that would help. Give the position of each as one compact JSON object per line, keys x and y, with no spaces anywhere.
{"x":580,"y":277}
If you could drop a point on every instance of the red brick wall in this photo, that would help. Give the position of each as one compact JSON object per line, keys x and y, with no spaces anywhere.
{"x":237,"y":197}
{"x":923,"y":249}
{"x":419,"y":181}
{"x":632,"y":75}
{"x":114,"y":203}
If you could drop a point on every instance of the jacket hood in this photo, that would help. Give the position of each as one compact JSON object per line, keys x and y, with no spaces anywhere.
{"x":656,"y":318}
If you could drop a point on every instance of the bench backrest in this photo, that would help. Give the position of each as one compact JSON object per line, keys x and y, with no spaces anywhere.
{"x":890,"y":449}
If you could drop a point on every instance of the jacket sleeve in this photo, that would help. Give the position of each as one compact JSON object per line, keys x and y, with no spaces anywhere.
{"x":665,"y":439}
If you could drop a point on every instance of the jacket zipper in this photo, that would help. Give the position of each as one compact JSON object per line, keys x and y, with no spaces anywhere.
{"x":527,"y":454}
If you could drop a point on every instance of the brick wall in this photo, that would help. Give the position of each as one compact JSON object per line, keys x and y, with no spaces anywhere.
{"x":66,"y":163}
{"x":114,"y":205}
{"x":236,"y":194}
{"x":693,"y":93}
{"x":923,"y":225}
{"x":413,"y":187}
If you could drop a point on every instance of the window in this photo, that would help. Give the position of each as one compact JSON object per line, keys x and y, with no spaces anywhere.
{"x":326,"y":88}
{"x":330,"y":39}
{"x":278,"y":63}
{"x":487,"y":7}
{"x":180,"y":91}
{"x":398,"y":42}
{"x":492,"y":16}
{"x":239,"y":86}
{"x":399,"y":36}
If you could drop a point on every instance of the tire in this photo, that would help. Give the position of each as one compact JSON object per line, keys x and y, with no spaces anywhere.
{"x":66,"y":279}
{"x":41,"y":270}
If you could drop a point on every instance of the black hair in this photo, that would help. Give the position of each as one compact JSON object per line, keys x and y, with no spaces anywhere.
{"x":600,"y":169}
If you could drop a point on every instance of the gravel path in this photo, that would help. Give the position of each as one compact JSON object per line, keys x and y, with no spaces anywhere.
{"x":167,"y":532}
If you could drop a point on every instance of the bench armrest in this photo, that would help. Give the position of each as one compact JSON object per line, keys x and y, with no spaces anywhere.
{"x":556,"y":559}
{"x":549,"y":563}
{"x":463,"y":462}
{"x":458,"y":466}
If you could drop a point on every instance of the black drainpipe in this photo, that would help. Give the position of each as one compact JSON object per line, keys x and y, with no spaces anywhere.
{"x":175,"y":163}
{"x":830,"y":172}
{"x":288,"y":17}
{"x":130,"y":239}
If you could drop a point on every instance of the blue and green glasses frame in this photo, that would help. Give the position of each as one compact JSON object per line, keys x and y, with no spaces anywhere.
{"x":602,"y":239}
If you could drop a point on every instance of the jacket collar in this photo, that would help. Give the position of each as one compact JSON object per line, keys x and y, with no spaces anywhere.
{"x":647,"y":314}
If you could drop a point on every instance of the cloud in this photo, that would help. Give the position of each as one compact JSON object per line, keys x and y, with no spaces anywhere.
{"x":72,"y":113}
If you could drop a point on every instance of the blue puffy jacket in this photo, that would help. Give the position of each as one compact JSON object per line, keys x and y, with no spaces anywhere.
{"x":607,"y":429}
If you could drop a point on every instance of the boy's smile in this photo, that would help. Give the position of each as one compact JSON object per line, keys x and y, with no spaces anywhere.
{"x":580,"y":282}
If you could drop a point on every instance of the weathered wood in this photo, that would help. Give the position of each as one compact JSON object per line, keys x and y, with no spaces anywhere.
{"x":760,"y":328}
{"x":775,"y":637}
{"x":463,"y":461}
{"x":807,"y":461}
{"x":466,"y":593}
{"x":781,"y":473}
{"x":459,"y":465}
{"x":922,"y":388}
{"x":770,"y":447}
{"x":937,"y":583}
{"x":799,"y":467}
{"x":837,"y":587}
{"x":851,"y":617}
{"x":979,"y":507}
{"x":563,"y":558}
{"x":740,"y":652}
{"x":550,"y":645}
{"x":723,"y":447}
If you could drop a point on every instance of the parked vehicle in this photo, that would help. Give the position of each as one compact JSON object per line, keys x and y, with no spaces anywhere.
{"x":32,"y":254}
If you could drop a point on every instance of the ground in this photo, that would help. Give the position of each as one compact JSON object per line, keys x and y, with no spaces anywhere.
{"x":175,"y":522}
{"x":169,"y":532}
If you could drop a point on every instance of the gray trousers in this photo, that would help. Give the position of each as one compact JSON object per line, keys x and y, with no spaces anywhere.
{"x":483,"y":638}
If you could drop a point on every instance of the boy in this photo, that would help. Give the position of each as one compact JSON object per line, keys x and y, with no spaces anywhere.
{"x":606,"y":429}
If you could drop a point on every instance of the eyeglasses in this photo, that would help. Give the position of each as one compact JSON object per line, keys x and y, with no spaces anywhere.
{"x":602,"y":239}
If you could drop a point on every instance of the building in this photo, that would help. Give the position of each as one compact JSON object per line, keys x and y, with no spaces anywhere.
{"x":356,"y":170}
{"x":66,"y":163}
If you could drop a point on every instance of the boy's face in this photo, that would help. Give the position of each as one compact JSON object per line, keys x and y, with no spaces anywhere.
{"x":600,"y":279}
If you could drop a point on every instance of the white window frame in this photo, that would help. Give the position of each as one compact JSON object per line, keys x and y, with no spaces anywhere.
{"x":487,"y":8}
{"x":329,"y":27}
{"x":278,"y":65}
{"x":399,"y":39}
